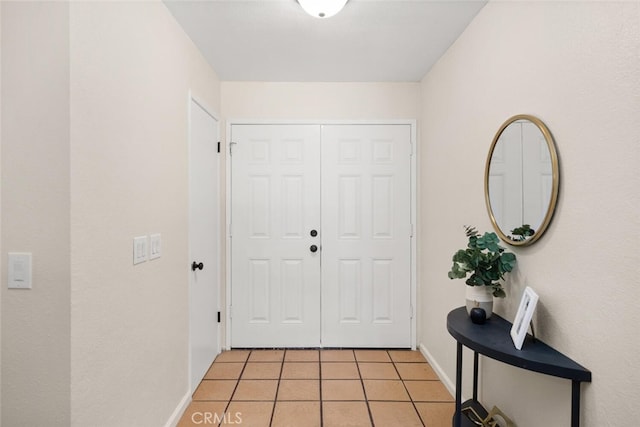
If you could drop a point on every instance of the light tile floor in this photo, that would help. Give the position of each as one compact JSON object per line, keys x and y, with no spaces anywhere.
{"x":313,"y":388}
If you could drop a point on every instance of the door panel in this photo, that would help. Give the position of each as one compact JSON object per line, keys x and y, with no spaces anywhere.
{"x":366,"y":236}
{"x":204,"y":242}
{"x":274,"y":205}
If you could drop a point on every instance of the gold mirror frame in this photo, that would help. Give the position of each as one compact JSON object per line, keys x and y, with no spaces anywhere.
{"x":555,"y":177}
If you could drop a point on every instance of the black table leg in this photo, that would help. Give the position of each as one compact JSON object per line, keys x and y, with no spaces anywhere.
{"x":475,"y":376}
{"x":457,"y":417}
{"x":575,"y":403}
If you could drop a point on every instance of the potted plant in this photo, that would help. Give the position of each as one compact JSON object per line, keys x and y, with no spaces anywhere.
{"x":486,"y":263}
{"x":521,"y":234}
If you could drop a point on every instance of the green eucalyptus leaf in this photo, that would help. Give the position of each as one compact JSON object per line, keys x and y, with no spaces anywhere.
{"x":508,"y":258}
{"x":499,"y":292}
{"x":456,"y":272}
{"x":461,"y":256}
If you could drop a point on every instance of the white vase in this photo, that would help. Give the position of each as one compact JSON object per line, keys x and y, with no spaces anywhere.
{"x":480,"y":296}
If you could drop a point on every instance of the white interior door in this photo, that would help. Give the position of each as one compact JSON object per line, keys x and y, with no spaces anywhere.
{"x":275,"y":205}
{"x":204,"y":241}
{"x":366,"y":236}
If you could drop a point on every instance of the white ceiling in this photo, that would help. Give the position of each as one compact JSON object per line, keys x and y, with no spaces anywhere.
{"x":369,"y":41}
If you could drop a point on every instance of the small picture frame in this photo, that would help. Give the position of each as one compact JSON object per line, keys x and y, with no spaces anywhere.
{"x":523,"y":317}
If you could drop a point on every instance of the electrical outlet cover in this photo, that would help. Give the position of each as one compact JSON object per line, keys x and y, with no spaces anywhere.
{"x":155,"y":246}
{"x":140,"y":245}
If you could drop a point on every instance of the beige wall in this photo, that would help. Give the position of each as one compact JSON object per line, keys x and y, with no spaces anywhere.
{"x":35,"y":212}
{"x":131,"y":69}
{"x":94,"y":153}
{"x":322,"y":101}
{"x":575,"y":66}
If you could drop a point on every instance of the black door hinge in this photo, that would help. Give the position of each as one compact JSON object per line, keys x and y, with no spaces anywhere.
{"x":218,"y":317}
{"x":218,"y":146}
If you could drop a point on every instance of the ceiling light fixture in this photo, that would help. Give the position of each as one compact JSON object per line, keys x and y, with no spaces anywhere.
{"x":322,"y":8}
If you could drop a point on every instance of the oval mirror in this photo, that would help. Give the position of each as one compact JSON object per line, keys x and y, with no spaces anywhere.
{"x":521,"y":180}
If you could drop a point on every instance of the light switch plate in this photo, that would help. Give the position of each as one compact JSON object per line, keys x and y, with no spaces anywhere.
{"x":19,"y":270}
{"x":140,"y":245}
{"x":155,"y":246}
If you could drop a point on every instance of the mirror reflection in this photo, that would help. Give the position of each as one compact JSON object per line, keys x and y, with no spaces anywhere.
{"x":521,"y":180}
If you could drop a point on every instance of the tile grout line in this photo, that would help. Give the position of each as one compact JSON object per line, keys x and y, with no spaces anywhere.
{"x":275,"y":398}
{"x":415,"y":408}
{"x":364,"y":391}
{"x":226,"y":408}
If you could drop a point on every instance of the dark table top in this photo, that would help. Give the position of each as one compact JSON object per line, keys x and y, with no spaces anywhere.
{"x":493,"y":340}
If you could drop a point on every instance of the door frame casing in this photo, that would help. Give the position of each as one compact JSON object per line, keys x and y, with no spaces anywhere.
{"x":412,"y":123}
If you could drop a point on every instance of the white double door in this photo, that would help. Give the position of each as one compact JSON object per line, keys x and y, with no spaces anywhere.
{"x":321,"y":236}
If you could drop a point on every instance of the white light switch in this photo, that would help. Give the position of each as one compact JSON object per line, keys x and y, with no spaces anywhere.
{"x":155,"y":248}
{"x":19,"y":270}
{"x":140,"y":245}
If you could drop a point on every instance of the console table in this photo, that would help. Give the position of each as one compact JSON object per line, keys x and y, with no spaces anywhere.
{"x":492,"y":339}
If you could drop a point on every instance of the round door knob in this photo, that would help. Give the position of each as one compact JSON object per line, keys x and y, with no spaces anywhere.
{"x":196,"y":266}
{"x":313,"y":248}
{"x":314,"y":233}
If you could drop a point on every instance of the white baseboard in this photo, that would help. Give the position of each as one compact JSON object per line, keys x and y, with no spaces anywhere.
{"x":444,"y":378}
{"x":177,"y":413}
